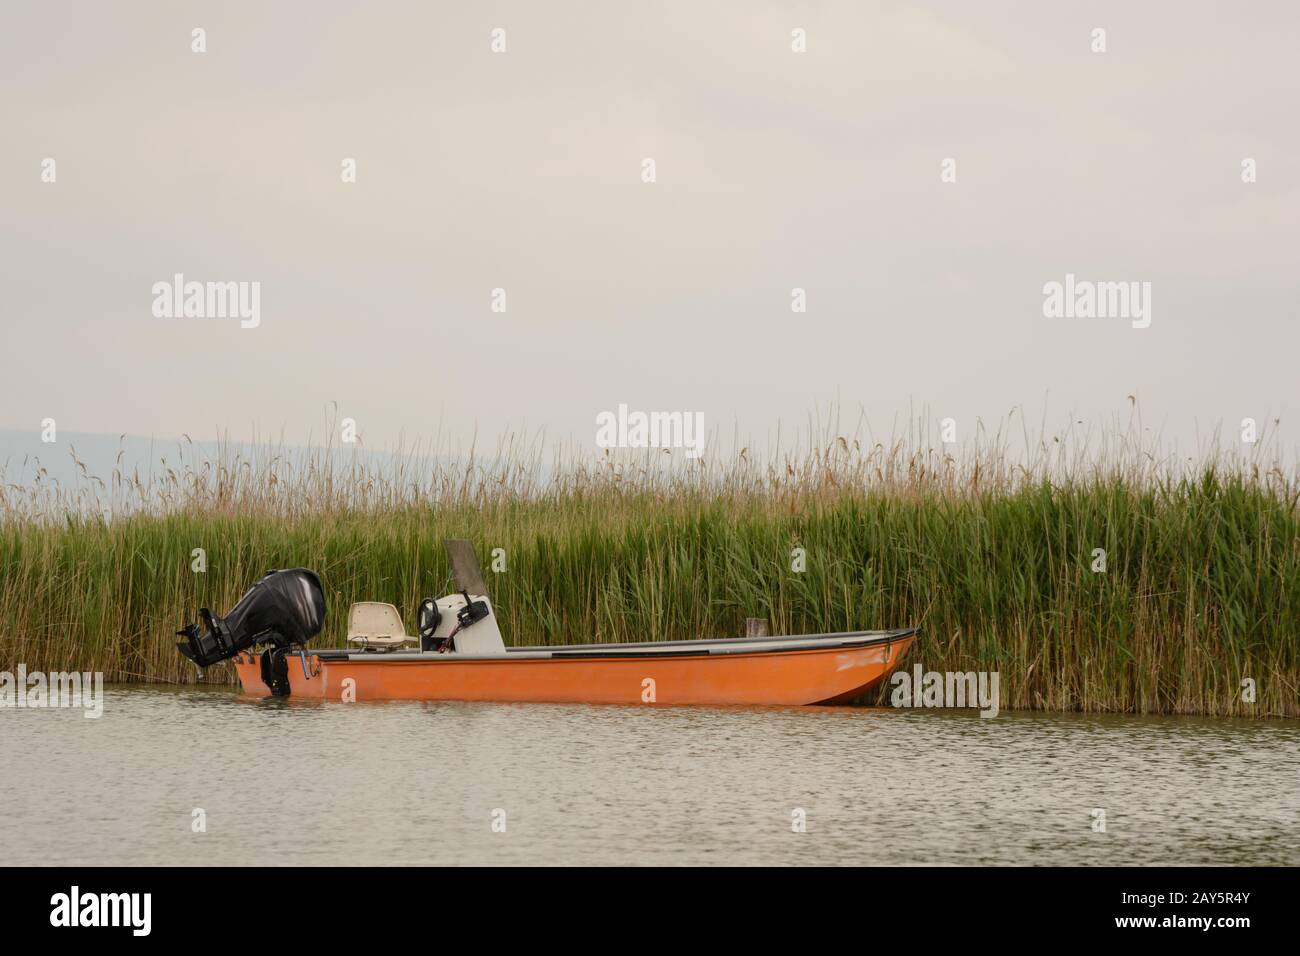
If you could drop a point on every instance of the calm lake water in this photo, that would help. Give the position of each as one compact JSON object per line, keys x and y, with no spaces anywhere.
{"x":415,"y":783}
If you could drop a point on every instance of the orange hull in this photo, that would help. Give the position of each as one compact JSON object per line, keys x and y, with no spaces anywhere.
{"x":791,"y":677}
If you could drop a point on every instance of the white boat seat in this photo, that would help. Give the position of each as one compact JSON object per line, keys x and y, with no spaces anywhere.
{"x":375,"y":625}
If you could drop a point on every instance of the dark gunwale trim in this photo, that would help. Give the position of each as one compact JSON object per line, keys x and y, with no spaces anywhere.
{"x":868,"y":636}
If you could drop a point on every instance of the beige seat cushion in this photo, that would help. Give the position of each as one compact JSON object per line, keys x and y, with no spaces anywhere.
{"x":372,"y":624}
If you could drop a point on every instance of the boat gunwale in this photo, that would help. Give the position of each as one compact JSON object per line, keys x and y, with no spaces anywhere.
{"x":699,"y":648}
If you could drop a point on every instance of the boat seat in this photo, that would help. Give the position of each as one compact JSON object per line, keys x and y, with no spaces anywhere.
{"x":372,"y":625}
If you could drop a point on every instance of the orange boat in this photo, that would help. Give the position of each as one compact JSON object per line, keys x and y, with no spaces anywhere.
{"x":458,"y":654}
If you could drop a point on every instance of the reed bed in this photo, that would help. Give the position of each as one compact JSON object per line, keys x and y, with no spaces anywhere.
{"x":992,"y":554}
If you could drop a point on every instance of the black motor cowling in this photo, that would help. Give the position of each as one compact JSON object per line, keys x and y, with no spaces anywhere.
{"x":283,"y":608}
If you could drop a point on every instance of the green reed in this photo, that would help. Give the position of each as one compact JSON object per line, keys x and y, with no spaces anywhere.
{"x":991,"y":556}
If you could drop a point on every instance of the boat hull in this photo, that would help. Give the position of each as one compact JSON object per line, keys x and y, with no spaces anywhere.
{"x":662,"y":675}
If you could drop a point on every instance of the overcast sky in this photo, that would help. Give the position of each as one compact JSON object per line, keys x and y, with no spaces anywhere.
{"x":523,"y":171}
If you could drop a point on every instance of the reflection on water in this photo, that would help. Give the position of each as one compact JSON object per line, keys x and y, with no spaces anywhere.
{"x":300,"y":782}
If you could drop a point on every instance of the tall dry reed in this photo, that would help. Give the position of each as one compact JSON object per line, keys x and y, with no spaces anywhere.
{"x":994,"y":555}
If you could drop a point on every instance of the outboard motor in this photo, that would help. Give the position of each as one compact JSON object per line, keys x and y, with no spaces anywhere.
{"x":284,"y":608}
